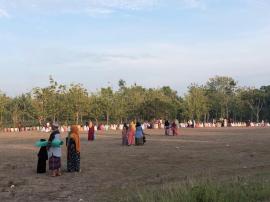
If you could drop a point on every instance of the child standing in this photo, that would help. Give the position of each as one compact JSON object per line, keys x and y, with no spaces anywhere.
{"x":42,"y":158}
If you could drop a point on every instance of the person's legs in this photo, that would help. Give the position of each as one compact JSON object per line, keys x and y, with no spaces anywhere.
{"x":58,"y":172}
{"x":53,"y":173}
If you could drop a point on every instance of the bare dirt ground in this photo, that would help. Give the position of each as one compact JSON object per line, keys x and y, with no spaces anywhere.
{"x":110,"y":170}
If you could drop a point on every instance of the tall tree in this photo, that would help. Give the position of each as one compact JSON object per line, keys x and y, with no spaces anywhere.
{"x":78,"y":101}
{"x":220,"y":90}
{"x":255,"y":99}
{"x":4,"y":100}
{"x":196,"y":102}
{"x":107,"y":102}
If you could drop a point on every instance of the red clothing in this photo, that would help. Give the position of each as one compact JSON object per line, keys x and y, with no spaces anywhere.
{"x":131,"y":135}
{"x":174,"y":129}
{"x":91,"y":134}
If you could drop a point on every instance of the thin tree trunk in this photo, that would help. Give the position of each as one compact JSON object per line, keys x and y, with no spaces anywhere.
{"x":77,"y":118}
{"x":107,"y":118}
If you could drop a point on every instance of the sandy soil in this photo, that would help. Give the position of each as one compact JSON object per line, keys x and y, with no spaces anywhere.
{"x":109,"y":170}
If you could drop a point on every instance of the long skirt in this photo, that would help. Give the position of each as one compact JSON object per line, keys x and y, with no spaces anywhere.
{"x":54,"y":163}
{"x":139,"y":141}
{"x":174,"y":131}
{"x":124,"y":140}
{"x":91,"y":136}
{"x":41,"y":166}
{"x":131,"y":135}
{"x":73,"y":159}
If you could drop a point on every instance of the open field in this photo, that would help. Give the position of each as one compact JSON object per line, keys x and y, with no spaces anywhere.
{"x":110,"y":171}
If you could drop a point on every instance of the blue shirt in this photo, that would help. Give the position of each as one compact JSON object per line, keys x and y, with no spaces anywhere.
{"x":139,"y":132}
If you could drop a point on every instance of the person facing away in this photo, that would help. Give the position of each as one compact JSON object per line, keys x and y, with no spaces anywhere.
{"x":131,"y":133}
{"x":125,"y":135}
{"x":167,"y":127}
{"x":54,"y":153}
{"x":139,"y":134}
{"x":73,"y":150}
{"x":42,"y":158}
{"x":91,"y":131}
{"x":174,"y":129}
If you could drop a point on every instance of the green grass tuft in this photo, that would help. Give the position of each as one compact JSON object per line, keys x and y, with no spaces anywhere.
{"x":236,"y":191}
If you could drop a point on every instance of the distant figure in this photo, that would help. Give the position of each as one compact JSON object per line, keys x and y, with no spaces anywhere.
{"x":54,"y":153}
{"x":177,"y":123}
{"x":73,"y":150}
{"x":248,"y":123}
{"x":167,"y":127}
{"x":193,"y":123}
{"x":20,"y":126}
{"x":131,"y":133}
{"x":125,"y":134}
{"x":139,"y":135}
{"x":42,"y":158}
{"x":91,"y":132}
{"x":174,"y":129}
{"x":101,"y":127}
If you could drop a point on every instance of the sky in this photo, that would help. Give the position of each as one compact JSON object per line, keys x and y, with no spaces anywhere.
{"x":149,"y":42}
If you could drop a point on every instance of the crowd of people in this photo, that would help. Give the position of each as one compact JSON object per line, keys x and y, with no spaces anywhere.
{"x":54,"y":153}
{"x":132,"y":134}
{"x":157,"y":124}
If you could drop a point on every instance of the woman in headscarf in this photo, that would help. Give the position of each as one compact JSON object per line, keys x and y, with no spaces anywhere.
{"x":131,"y":133}
{"x":42,"y":158}
{"x":54,"y":153}
{"x":73,"y":150}
{"x":139,"y":140}
{"x":91,"y":131}
{"x":174,"y":129}
{"x":125,"y":135}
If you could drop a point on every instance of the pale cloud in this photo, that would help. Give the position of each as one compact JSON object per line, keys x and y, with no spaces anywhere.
{"x":259,"y":3}
{"x":93,"y":12}
{"x":4,"y":14}
{"x":79,"y":4}
{"x":193,"y":3}
{"x":91,"y":7}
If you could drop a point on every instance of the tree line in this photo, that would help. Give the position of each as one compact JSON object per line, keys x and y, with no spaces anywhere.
{"x":220,"y":97}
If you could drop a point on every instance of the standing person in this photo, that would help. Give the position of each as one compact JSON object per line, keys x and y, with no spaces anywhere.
{"x":174,"y":129}
{"x":125,"y":135}
{"x":73,"y":150}
{"x":91,"y":132}
{"x":54,"y":153}
{"x":131,"y":133}
{"x":139,"y":140}
{"x":167,"y":127}
{"x":42,"y":158}
{"x":177,"y":123}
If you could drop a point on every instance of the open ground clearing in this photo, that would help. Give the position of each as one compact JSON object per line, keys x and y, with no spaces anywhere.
{"x":110,"y":171}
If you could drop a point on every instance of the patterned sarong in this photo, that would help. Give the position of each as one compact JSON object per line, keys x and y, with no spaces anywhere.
{"x":54,"y":163}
